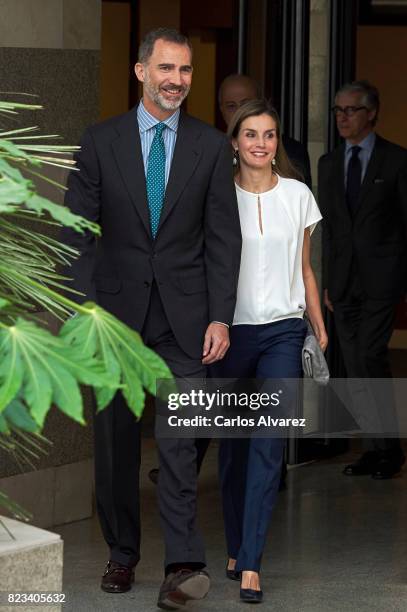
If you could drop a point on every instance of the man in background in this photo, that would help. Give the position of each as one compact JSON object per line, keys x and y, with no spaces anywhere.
{"x":235,"y":90}
{"x":362,"y":187}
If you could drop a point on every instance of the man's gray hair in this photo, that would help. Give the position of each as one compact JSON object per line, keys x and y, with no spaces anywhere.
{"x":168,"y":34}
{"x":370,"y":94}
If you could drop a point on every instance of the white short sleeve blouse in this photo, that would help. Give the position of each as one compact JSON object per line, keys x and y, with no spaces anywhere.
{"x":271,"y":287}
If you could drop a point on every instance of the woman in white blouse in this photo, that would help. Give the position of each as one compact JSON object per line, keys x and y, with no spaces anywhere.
{"x":276,"y":285}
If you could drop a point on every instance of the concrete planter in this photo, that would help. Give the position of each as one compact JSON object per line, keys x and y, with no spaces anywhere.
{"x":30,"y":563}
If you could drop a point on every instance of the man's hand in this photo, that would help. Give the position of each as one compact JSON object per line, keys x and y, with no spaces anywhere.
{"x":216,"y":343}
{"x":327,"y":301}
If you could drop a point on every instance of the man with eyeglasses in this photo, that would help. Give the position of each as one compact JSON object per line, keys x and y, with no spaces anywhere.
{"x":362,"y":189}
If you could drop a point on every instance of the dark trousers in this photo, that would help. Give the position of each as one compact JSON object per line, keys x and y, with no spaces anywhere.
{"x":202,"y":445}
{"x":117,"y":464}
{"x":250,"y":468}
{"x":364,"y":327}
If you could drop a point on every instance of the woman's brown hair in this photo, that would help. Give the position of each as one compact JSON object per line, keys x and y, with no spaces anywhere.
{"x":283,"y":166}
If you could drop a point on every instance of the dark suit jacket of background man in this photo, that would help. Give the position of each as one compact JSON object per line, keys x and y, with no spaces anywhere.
{"x":195,"y":274}
{"x":298,"y":155}
{"x":377,"y":236}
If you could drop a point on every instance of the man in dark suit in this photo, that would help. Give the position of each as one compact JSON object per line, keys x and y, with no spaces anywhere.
{"x":160,"y":183}
{"x":363,"y":199}
{"x":235,"y":90}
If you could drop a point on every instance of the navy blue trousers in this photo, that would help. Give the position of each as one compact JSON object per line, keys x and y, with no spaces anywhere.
{"x":250,"y":468}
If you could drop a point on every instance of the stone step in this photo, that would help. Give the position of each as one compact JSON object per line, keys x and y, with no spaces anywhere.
{"x":31,"y":561}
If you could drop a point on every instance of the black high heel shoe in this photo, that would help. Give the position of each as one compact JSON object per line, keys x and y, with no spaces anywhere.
{"x":232,"y":574}
{"x":250,"y":595}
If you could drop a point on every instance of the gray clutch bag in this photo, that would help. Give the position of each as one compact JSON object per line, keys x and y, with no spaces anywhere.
{"x":313,"y":361}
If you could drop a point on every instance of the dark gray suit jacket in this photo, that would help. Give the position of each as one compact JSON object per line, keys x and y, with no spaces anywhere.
{"x":377,"y":236}
{"x":195,"y":257}
{"x":298,"y":156}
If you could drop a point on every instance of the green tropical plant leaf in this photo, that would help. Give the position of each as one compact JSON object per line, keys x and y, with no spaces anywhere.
{"x":14,"y":151}
{"x":62,"y":214}
{"x":38,"y":369}
{"x":97,"y":333}
{"x":7,"y":170}
{"x":19,"y":435}
{"x":13,"y":185}
{"x":45,"y":370}
{"x":18,"y":415}
{"x":12,"y":105}
{"x":4,"y":428}
{"x":12,"y":193}
{"x":30,"y":255}
{"x":11,"y":370}
{"x":17,"y":511}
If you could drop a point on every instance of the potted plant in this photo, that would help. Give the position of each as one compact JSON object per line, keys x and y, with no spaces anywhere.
{"x":40,"y":369}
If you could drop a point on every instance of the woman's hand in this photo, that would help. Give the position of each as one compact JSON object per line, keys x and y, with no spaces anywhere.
{"x":321,"y":336}
{"x":312,"y":294}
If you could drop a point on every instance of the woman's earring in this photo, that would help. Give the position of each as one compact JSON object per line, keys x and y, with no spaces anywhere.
{"x":273,"y":161}
{"x":235,"y":157}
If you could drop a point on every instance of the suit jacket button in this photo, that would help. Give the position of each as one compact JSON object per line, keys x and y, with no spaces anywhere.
{"x":146,"y":284}
{"x":154,"y":256}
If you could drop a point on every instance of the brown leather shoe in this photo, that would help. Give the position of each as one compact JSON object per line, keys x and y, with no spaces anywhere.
{"x":181,"y":586}
{"x":117,"y":578}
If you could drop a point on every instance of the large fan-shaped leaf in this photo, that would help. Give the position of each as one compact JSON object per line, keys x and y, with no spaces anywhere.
{"x":44,"y":369}
{"x":121,"y":350}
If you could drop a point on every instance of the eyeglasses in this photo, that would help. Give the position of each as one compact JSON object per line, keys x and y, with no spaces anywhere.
{"x":348,"y":111}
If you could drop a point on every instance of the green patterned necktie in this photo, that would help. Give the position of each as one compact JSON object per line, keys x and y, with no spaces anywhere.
{"x":156,"y":178}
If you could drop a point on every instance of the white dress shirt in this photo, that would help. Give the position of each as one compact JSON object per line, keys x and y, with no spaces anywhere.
{"x":271,"y":286}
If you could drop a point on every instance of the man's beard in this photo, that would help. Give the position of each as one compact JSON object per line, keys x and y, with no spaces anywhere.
{"x":157,"y":97}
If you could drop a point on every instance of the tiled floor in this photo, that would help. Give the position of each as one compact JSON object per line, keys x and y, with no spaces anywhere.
{"x":337,"y":544}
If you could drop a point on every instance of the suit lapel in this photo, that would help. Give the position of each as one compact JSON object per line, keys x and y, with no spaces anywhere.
{"x":186,"y":156}
{"x":372,"y":169}
{"x":129,"y":158}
